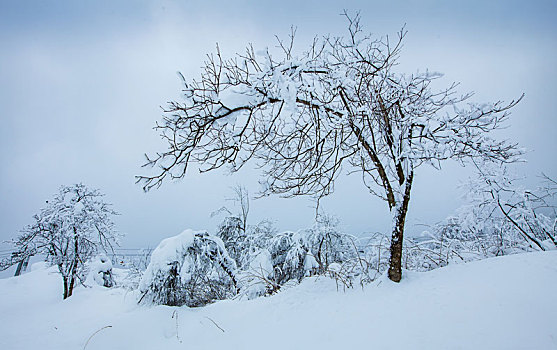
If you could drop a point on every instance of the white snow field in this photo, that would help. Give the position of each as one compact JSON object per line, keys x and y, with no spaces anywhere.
{"x":501,"y":303}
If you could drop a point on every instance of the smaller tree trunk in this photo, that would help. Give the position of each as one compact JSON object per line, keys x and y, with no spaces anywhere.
{"x":66,"y":291}
{"x":72,"y":282}
{"x":74,"y":264}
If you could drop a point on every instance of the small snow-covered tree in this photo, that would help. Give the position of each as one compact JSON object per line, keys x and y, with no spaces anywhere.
{"x":328,"y":244}
{"x":531,"y":214}
{"x":500,"y":217}
{"x":232,"y":230}
{"x":288,"y":252}
{"x":74,"y":226}
{"x":233,"y":235}
{"x":192,"y":268}
{"x":341,"y":104}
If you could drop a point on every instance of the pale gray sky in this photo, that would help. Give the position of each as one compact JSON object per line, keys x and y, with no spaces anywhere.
{"x":81,"y":84}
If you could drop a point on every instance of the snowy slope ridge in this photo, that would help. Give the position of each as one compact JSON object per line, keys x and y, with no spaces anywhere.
{"x":501,"y":303}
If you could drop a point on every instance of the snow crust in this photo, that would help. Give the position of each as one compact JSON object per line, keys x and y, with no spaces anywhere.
{"x":500,"y":303}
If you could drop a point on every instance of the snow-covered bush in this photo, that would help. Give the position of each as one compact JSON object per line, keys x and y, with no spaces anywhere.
{"x":192,"y":268}
{"x":248,"y":246}
{"x":100,"y":271}
{"x":244,"y":245}
{"x":266,"y":259}
{"x":530,"y":213}
{"x":327,"y":244}
{"x":258,"y":278}
{"x":271,"y":263}
{"x":243,"y":242}
{"x":462,"y":238}
{"x":233,"y":236}
{"x":291,"y":256}
{"x":499,"y":218}
{"x":288,"y":253}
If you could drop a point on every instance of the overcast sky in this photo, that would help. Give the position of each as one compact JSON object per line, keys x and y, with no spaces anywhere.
{"x":82,"y":82}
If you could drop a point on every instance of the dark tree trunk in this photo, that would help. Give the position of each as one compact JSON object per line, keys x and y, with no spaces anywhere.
{"x":73,"y":267}
{"x":395,"y":261}
{"x":65,"y":287}
{"x":72,"y":282}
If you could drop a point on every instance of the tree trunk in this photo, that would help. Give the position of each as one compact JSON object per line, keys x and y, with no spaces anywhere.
{"x":395,"y":261}
{"x":65,"y":287}
{"x":72,"y":282}
{"x":75,"y":262}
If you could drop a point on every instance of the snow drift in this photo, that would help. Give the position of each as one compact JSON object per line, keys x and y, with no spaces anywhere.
{"x":499,"y":303}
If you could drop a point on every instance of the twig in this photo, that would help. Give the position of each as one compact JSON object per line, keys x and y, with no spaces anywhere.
{"x":92,"y":335}
{"x":143,"y":296}
{"x":210,"y":319}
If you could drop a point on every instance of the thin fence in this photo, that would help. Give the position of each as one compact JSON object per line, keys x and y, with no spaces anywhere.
{"x":131,"y":257}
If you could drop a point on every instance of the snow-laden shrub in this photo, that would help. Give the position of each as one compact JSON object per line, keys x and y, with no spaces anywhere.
{"x":327,"y":244}
{"x":233,"y":235}
{"x":267,"y":259}
{"x":192,"y":268}
{"x":258,"y":278}
{"x":244,"y":245}
{"x":100,"y":271}
{"x":288,"y":252}
{"x":281,"y":259}
{"x":284,"y":257}
{"x":195,"y":268}
{"x":458,"y":239}
{"x":500,"y":217}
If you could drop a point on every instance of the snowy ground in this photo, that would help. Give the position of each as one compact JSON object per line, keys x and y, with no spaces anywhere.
{"x":502,"y":303}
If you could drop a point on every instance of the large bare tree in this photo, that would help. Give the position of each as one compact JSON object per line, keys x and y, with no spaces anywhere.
{"x":339,"y":105}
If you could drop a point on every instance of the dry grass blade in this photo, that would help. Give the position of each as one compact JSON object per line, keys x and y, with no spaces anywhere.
{"x":92,"y":335}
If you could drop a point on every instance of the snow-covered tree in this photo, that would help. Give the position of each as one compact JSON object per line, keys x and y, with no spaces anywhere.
{"x":192,"y":268}
{"x":531,"y":214}
{"x":341,"y":104}
{"x":74,"y":226}
{"x":499,"y":217}
{"x":233,"y":229}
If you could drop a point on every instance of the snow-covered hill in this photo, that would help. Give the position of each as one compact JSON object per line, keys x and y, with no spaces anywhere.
{"x":502,"y":303}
